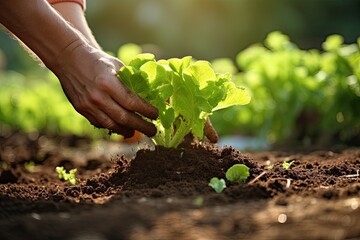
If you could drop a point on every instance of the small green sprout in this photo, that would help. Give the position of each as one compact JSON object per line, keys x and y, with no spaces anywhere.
{"x":29,"y":166}
{"x":4,"y":165}
{"x":237,"y":173}
{"x":198,"y":201}
{"x":217,"y":184}
{"x":287,"y":165}
{"x":70,"y":177}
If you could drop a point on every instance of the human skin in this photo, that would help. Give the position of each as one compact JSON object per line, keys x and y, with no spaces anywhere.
{"x":87,"y":74}
{"x":74,"y":14}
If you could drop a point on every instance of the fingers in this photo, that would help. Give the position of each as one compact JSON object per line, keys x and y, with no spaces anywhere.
{"x":103,"y":121}
{"x":126,"y":98}
{"x":210,"y":132}
{"x":114,"y":117}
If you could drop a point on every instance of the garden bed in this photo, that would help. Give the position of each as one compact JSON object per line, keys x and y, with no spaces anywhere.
{"x":164,"y":193}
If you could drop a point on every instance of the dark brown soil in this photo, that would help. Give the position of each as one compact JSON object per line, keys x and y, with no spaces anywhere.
{"x":164,"y":193}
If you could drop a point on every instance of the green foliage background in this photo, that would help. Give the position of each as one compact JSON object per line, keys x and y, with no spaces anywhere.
{"x":300,"y":95}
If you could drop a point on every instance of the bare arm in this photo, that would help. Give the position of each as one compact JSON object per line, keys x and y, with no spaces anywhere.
{"x":86,"y":74}
{"x":33,"y":23}
{"x":74,"y":14}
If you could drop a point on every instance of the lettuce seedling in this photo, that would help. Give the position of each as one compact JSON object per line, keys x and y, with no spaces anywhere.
{"x":217,"y":184}
{"x":185,"y":92}
{"x":237,"y":173}
{"x":70,"y":177}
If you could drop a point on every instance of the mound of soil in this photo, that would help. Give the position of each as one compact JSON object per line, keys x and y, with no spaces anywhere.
{"x":164,"y":194}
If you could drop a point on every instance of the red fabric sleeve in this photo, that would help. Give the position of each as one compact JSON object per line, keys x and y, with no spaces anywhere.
{"x":81,"y":2}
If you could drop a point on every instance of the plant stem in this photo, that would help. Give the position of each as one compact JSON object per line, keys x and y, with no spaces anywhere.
{"x":184,"y":128}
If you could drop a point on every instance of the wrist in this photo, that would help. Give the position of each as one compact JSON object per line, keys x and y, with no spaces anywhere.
{"x":64,"y":56}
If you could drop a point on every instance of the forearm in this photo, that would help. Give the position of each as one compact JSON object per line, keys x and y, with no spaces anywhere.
{"x":39,"y":27}
{"x":74,"y":14}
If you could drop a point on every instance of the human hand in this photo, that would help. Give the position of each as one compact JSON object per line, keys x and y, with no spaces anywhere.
{"x":88,"y":78}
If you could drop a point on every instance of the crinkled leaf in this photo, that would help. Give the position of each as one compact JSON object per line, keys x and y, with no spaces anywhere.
{"x":237,"y":173}
{"x":235,"y":96}
{"x":135,"y":80}
{"x":184,"y":98}
{"x":177,"y":64}
{"x":159,"y":79}
{"x":215,"y":92}
{"x":201,"y":72}
{"x":141,"y":59}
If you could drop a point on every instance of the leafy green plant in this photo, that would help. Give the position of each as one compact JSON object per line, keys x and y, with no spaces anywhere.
{"x":238,"y":173}
{"x":185,"y":92}
{"x":217,"y":184}
{"x":300,"y":95}
{"x":70,"y":176}
{"x":286,"y":165}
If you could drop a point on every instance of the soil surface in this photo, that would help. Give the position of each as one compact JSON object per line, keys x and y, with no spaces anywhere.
{"x":164,"y":194}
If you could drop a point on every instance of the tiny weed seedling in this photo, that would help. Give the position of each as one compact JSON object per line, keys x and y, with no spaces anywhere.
{"x":238,"y":173}
{"x":70,"y":177}
{"x":217,"y":184}
{"x":4,"y":165}
{"x":198,"y":201}
{"x":286,"y":165}
{"x":29,"y":166}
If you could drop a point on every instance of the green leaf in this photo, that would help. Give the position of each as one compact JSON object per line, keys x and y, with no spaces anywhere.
{"x":70,"y":177}
{"x":235,"y":96}
{"x":217,"y":184}
{"x":183,"y":98}
{"x":277,"y":41}
{"x":141,"y":59}
{"x":201,"y":73}
{"x":158,"y":78}
{"x":198,"y":127}
{"x":287,"y":165}
{"x":135,"y":80}
{"x":237,"y":173}
{"x":177,"y":65}
{"x":333,"y":43}
{"x":167,"y":117}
